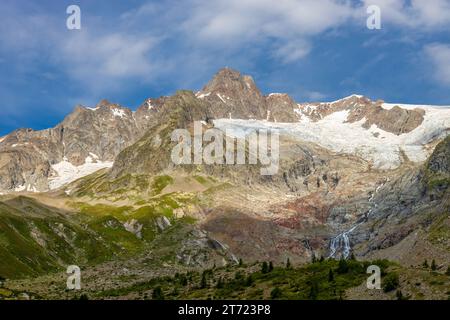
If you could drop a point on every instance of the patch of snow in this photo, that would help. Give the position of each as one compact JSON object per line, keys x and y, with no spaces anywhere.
{"x":382,"y":148}
{"x":221,"y":98}
{"x":20,"y":188}
{"x":150,"y":105}
{"x":15,"y":145}
{"x":134,"y":227}
{"x":66,"y":172}
{"x":389,"y":106}
{"x":92,"y":109}
{"x":31,"y":188}
{"x":346,"y":98}
{"x":91,"y":158}
{"x":352,"y":96}
{"x":202,"y":95}
{"x":337,"y":117}
{"x":118,"y":112}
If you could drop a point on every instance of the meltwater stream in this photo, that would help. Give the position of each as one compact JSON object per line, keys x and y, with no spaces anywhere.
{"x":342,"y":241}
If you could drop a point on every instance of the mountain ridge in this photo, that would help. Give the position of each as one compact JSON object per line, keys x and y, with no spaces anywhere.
{"x":111,"y":128}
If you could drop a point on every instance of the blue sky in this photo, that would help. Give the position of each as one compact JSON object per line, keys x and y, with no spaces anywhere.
{"x":127,"y":51}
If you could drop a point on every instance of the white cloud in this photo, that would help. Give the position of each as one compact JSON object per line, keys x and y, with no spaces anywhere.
{"x":286,"y":25}
{"x":439,"y":55}
{"x":183,"y":39}
{"x":427,"y":15}
{"x":115,"y":55}
{"x":100,"y":58}
{"x":293,"y":51}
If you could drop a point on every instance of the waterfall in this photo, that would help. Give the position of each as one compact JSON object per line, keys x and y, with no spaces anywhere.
{"x":341,"y":242}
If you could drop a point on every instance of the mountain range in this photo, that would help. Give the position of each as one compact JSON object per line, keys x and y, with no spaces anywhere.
{"x":357,"y":179}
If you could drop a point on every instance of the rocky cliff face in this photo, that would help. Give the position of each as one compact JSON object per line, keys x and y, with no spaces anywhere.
{"x":235,"y":96}
{"x":408,"y":211}
{"x":229,"y":94}
{"x":395,"y":120}
{"x":87,"y":135}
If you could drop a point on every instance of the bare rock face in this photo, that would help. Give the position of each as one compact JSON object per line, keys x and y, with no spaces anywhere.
{"x":232,"y":95}
{"x":281,"y":108}
{"x":415,"y":202}
{"x":145,"y":115}
{"x":396,"y":120}
{"x":87,"y":134}
{"x":23,"y":169}
{"x":439,"y":162}
{"x":103,"y":131}
{"x":151,"y":153}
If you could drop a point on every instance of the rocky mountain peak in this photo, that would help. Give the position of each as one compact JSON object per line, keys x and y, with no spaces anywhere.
{"x":102,"y":103}
{"x":232,"y":84}
{"x":233,"y":95}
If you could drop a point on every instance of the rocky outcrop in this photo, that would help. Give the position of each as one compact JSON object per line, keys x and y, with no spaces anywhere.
{"x":281,"y":108}
{"x":395,"y":120}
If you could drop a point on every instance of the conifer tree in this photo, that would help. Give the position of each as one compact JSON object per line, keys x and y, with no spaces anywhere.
{"x":264,"y":267}
{"x":433,"y":265}
{"x":275,"y":293}
{"x":314,"y":291}
{"x":249,"y":280}
{"x":288,"y":264}
{"x":157,"y":294}
{"x":203,"y":282}
{"x":330,"y":276}
{"x":219,"y":284}
{"x":342,"y":266}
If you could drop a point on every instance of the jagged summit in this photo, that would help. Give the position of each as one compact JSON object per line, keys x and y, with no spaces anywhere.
{"x":233,"y":95}
{"x":103,"y":102}
{"x":230,"y":82}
